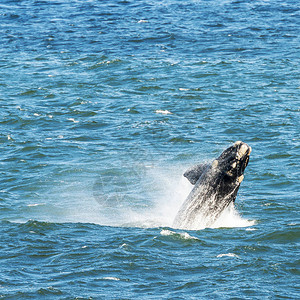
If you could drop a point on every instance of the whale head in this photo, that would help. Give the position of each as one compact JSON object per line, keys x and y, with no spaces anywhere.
{"x":233,"y":161}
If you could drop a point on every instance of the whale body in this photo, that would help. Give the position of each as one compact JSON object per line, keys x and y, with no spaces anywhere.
{"x":215,"y":187}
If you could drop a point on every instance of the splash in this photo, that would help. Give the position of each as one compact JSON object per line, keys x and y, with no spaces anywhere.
{"x":163,"y":112}
{"x":169,"y":195}
{"x":179,"y":235}
{"x":230,"y":217}
{"x":111,"y":278}
{"x":227,"y":255}
{"x":153,"y":202}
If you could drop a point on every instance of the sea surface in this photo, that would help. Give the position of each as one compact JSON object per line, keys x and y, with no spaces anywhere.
{"x":104,"y":105}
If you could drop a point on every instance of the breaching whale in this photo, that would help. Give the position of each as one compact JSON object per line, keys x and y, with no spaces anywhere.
{"x":215,"y":187}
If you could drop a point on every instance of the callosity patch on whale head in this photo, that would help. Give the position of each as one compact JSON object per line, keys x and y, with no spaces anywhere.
{"x":234,"y":160}
{"x":215,"y":163}
{"x":237,"y":143}
{"x":240,"y":178}
{"x":242,"y":150}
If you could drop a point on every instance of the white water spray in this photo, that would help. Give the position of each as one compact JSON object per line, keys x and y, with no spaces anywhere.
{"x":162,"y":193}
{"x":172,"y":194}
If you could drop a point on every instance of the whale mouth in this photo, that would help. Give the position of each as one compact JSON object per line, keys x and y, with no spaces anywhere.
{"x":242,"y":149}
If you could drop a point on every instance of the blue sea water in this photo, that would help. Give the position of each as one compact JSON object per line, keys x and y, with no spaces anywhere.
{"x":104,"y":105}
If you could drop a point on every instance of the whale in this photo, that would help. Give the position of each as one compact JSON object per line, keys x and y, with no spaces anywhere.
{"x":215,"y":187}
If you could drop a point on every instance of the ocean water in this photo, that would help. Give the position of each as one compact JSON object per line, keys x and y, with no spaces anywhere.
{"x":104,"y":105}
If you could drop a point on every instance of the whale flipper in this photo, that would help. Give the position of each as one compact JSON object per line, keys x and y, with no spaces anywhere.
{"x":195,"y":172}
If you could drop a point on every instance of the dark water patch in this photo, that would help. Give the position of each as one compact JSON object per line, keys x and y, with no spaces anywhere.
{"x":289,"y":235}
{"x":199,"y":109}
{"x":278,"y":156}
{"x":180,"y":140}
{"x":149,"y":88}
{"x":49,"y":291}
